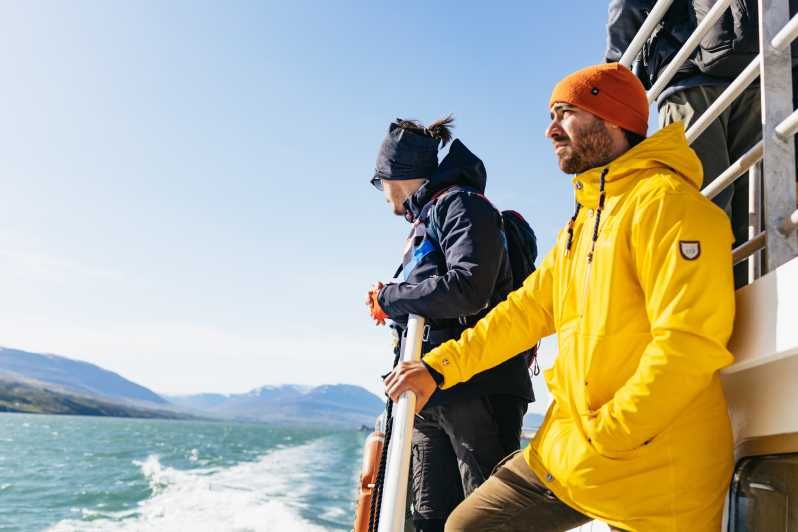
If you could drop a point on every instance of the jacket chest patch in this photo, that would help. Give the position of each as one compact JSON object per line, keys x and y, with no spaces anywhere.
{"x":690,"y":249}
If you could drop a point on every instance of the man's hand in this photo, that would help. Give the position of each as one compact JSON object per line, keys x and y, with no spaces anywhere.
{"x":372,"y":302}
{"x":410,"y":376}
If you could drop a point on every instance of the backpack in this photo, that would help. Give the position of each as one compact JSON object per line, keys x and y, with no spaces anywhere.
{"x":519,"y":238}
{"x":519,"y":241}
{"x":522,"y":250}
{"x":522,"y":246}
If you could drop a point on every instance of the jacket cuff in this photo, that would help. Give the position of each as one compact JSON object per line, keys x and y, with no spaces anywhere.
{"x":442,"y":360}
{"x":382,"y":300}
{"x":435,"y":375}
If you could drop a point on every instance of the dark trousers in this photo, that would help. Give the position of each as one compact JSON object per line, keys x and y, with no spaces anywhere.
{"x":455,"y":448}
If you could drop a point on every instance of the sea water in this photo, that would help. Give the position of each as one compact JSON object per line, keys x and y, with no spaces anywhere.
{"x":72,"y":473}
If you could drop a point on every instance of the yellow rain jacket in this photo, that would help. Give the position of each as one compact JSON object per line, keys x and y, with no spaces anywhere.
{"x":638,"y":433}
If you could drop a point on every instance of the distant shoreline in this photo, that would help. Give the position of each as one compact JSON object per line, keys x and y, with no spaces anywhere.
{"x":21,"y":398}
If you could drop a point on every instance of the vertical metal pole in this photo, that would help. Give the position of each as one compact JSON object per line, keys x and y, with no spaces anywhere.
{"x":779,"y":157}
{"x":754,"y":219}
{"x":394,"y":495}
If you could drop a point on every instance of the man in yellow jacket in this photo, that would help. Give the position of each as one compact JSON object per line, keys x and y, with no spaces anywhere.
{"x":639,"y":290}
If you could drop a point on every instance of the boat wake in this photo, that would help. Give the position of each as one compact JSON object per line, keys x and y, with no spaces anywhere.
{"x":266,"y":495}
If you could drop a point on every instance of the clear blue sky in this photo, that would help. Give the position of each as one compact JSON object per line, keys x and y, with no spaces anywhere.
{"x":184,"y":186}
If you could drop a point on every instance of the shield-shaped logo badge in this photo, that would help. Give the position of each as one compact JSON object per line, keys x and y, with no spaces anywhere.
{"x":690,"y":249}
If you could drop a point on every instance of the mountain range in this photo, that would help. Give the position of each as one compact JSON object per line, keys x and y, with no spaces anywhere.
{"x":48,"y":383}
{"x":29,"y":398}
{"x":72,"y":376}
{"x":339,"y":404}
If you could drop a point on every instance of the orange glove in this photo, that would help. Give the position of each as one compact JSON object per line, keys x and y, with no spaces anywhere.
{"x":372,"y":301}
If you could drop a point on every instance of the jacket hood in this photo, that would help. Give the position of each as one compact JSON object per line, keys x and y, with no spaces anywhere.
{"x":666,"y":150}
{"x":459,"y":167}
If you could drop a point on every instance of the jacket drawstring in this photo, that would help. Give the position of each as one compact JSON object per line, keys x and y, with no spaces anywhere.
{"x":572,"y":221}
{"x":602,"y":194}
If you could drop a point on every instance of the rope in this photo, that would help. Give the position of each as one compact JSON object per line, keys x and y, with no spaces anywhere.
{"x":376,"y":494}
{"x":379,"y":481}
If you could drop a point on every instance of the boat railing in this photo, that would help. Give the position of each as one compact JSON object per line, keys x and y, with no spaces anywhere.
{"x":770,"y":163}
{"x":394,"y":494}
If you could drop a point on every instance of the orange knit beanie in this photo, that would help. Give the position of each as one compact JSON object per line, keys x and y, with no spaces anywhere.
{"x":609,"y":91}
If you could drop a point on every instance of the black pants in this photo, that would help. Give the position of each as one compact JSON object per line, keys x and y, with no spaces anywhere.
{"x":455,"y":448}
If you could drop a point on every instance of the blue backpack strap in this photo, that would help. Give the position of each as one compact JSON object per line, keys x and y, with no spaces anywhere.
{"x":422,"y":240}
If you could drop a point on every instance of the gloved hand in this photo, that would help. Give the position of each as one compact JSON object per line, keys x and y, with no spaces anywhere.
{"x":372,"y":302}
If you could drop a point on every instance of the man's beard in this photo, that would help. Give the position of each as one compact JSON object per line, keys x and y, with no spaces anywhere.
{"x":594,"y":148}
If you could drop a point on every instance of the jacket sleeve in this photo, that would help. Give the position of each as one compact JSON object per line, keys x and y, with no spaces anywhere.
{"x":513,"y":326}
{"x":624,"y":18}
{"x":473,"y":247}
{"x":681,"y":246}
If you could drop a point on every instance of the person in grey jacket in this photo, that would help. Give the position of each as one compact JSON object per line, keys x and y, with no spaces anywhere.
{"x":723,"y":53}
{"x":454,"y":270}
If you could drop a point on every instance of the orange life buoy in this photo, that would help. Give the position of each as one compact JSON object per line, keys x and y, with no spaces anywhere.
{"x":368,"y":475}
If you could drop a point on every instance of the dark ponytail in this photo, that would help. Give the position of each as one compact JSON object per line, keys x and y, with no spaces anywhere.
{"x":441,"y":129}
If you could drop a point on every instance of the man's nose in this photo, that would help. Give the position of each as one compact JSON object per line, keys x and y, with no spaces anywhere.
{"x":553,"y":129}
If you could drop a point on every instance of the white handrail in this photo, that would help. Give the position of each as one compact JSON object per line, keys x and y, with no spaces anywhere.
{"x":786,"y":35}
{"x":754,"y":218}
{"x":725,"y":99}
{"x":640,"y":38}
{"x":687,"y":48}
{"x":738,"y":168}
{"x":787,"y":127}
{"x":394,"y":496}
{"x":748,"y":248}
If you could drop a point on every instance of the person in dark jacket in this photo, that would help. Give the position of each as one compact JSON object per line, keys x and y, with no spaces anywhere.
{"x":455,"y":269}
{"x":729,"y":46}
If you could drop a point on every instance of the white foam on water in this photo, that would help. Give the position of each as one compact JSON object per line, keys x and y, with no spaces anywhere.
{"x":333,"y":513}
{"x":261,"y":496}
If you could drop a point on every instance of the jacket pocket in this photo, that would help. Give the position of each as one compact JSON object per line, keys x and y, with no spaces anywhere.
{"x":731,"y":43}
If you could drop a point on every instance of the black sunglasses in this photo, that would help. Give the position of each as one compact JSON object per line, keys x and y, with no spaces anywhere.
{"x":376,"y":182}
